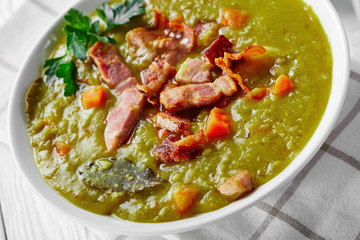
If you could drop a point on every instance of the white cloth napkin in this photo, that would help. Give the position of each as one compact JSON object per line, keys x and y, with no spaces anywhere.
{"x":323,"y":201}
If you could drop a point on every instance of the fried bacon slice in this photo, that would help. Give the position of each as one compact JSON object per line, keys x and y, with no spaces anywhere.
{"x":171,"y":122}
{"x":224,"y":66}
{"x":194,"y":70}
{"x":197,"y":95}
{"x":123,"y":118}
{"x":225,"y":62}
{"x":237,"y":185}
{"x":174,"y":149}
{"x":217,"y":49}
{"x":169,"y":40}
{"x":155,"y":77}
{"x":112,"y":70}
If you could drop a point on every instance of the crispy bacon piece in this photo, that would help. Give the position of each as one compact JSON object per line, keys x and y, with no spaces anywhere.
{"x":197,"y":95}
{"x":169,"y":40}
{"x":160,"y":19}
{"x":173,"y":149}
{"x":194,"y":71}
{"x":113,"y":71}
{"x":237,"y":185}
{"x":225,"y":62}
{"x":123,"y":118}
{"x":221,"y":64}
{"x":155,"y":77}
{"x":141,"y":43}
{"x":171,"y":122}
{"x":162,"y":133}
{"x":217,"y":49}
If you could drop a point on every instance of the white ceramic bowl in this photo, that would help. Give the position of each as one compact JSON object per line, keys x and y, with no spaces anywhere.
{"x":23,"y":154}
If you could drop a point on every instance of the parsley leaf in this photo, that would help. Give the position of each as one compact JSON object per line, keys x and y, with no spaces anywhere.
{"x":76,"y":19}
{"x":82,"y":33}
{"x":67,"y":72}
{"x":77,"y":44}
{"x":121,"y":13}
{"x":50,"y":67}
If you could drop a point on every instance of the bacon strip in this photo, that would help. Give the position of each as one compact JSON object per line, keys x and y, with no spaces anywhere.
{"x":197,"y":95}
{"x":169,"y":40}
{"x":225,"y":63}
{"x":155,"y":77}
{"x":123,"y":118}
{"x":171,"y":122}
{"x":194,"y":71}
{"x":237,"y":185}
{"x":217,"y":49}
{"x":113,"y":71}
{"x":221,"y":64}
{"x":173,"y":149}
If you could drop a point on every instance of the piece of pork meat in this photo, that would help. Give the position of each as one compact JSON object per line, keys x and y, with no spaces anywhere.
{"x":206,"y":32}
{"x":237,"y":185}
{"x":174,"y":149}
{"x":197,"y":95}
{"x":169,"y":41}
{"x":194,"y":71}
{"x":171,"y":122}
{"x":217,"y":49}
{"x":155,"y":77}
{"x":128,"y":83}
{"x":112,"y":70}
{"x":123,"y":118}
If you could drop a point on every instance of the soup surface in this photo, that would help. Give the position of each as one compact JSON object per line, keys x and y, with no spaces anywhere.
{"x":266,"y":131}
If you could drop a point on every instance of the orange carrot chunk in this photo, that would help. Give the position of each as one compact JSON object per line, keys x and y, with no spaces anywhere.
{"x":257,"y":94}
{"x":62,"y":148}
{"x":232,"y":17}
{"x":185,"y":199}
{"x":218,"y":124}
{"x":282,"y":86}
{"x":94,"y":97}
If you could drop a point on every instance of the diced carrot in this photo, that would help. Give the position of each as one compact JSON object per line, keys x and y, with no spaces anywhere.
{"x":248,"y":53}
{"x":282,"y":86}
{"x":232,"y":17}
{"x":257,"y":94}
{"x":62,"y":148}
{"x":185,"y":199}
{"x":94,"y":97}
{"x":218,"y":124}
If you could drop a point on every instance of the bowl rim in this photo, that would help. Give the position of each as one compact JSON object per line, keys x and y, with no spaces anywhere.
{"x":17,"y":122}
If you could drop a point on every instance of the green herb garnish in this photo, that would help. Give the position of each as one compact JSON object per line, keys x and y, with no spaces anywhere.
{"x":67,"y":72}
{"x":82,"y":33}
{"x":121,"y":13}
{"x":62,"y":67}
